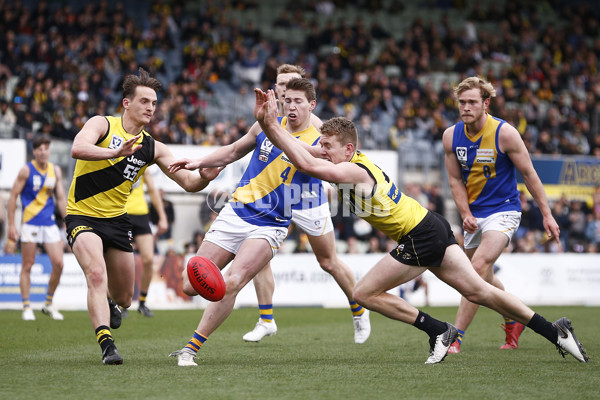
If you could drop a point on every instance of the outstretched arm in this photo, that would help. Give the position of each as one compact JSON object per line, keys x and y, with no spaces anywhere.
{"x":265,"y":112}
{"x":188,"y":180}
{"x":223,"y":156}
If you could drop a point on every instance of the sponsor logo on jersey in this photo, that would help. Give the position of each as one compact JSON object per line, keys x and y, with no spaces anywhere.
{"x":485,"y":152}
{"x":285,"y":158}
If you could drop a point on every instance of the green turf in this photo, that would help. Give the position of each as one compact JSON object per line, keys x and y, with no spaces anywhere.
{"x":312,"y":357}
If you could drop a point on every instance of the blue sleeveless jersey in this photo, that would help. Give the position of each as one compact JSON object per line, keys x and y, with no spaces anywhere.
{"x":271,"y":186}
{"x":37,"y":196}
{"x":488,"y":174}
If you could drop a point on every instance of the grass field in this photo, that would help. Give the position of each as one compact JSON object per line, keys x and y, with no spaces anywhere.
{"x":312,"y":357}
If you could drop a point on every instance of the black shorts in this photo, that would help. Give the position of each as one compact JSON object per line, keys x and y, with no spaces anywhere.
{"x":425,"y":245}
{"x":141,"y":224}
{"x":114,"y":232}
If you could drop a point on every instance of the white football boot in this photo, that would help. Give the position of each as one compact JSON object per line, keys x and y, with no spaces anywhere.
{"x":261,"y":330}
{"x":28,"y":315}
{"x":52,"y":312}
{"x":567,"y":341}
{"x":362,"y":327}
{"x":185,"y":358}
{"x":439,"y":349}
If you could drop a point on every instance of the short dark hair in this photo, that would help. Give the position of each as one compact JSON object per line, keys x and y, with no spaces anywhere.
{"x":304,"y":85}
{"x":40,"y":140}
{"x":131,"y":82}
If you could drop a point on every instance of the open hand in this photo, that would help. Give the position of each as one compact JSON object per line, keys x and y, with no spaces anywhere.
{"x":184,"y":163}
{"x":128,"y":148}
{"x":260,"y":105}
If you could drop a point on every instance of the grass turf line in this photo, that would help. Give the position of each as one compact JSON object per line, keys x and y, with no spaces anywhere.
{"x":313,"y":356}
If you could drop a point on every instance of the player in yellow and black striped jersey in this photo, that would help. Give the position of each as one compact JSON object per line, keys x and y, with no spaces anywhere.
{"x":139,"y":214}
{"x":112,"y":154}
{"x":425,"y":240}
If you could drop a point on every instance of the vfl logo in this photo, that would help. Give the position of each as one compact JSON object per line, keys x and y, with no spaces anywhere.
{"x":265,"y":150}
{"x":461,"y":154}
{"x":37,"y":182}
{"x":115,"y":142}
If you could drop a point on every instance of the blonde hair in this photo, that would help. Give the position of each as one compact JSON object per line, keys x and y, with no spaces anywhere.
{"x":342,"y":128}
{"x":291,"y":69}
{"x":486,"y":89}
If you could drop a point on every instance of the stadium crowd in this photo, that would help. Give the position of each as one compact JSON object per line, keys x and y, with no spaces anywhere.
{"x":62,"y":62}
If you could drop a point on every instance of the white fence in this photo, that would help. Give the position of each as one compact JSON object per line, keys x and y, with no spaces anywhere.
{"x":537,"y":279}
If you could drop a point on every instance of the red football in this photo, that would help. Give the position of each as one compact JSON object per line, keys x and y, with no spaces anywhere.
{"x":206,"y":278}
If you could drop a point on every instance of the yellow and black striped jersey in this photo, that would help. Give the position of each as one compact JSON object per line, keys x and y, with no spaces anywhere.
{"x":100,"y":188}
{"x":136,"y":203}
{"x":386,"y":208}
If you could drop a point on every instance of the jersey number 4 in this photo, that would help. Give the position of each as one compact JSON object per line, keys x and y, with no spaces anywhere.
{"x":286,"y":172}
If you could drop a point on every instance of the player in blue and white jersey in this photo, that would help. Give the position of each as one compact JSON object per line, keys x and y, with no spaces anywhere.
{"x":312,"y":215}
{"x":251,"y":227}
{"x":38,"y":183}
{"x":483,"y":154}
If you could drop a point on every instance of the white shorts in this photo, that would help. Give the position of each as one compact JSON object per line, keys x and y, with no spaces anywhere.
{"x":40,"y":234}
{"x":314,"y":221}
{"x":505,"y":222}
{"x":229,"y":232}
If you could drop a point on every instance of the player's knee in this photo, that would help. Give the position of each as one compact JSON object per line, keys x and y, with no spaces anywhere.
{"x":147,"y":261}
{"x":186,"y":285}
{"x":327,"y":264}
{"x":233,"y":284}
{"x":96,"y":278}
{"x":360,"y":295}
{"x":124,"y":300}
{"x":477,"y":297}
{"x":482,"y":267}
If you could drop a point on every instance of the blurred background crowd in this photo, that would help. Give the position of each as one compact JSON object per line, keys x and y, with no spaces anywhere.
{"x":388,"y":65}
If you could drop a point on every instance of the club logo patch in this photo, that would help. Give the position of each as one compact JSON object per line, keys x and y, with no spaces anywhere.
{"x":265,"y":150}
{"x":115,"y":142}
